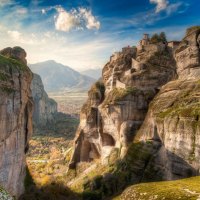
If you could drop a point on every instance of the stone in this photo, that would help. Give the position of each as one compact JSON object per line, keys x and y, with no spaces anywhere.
{"x":116,"y":108}
{"x":16,"y":107}
{"x":16,"y":53}
{"x":173,"y":117}
{"x":45,"y":108}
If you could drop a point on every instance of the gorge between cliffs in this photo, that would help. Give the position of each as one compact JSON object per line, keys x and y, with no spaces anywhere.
{"x":138,"y":136}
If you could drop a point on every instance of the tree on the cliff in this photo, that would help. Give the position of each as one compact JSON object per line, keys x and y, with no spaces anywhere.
{"x":163,"y":37}
{"x":157,"y":38}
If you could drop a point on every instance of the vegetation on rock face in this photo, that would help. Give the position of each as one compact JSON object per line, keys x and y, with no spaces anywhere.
{"x":7,"y":64}
{"x":3,"y":76}
{"x":106,"y":181}
{"x":186,"y":104}
{"x":7,"y":89}
{"x":4,"y":195}
{"x":118,"y":94}
{"x":191,"y":29}
{"x":13,"y":63}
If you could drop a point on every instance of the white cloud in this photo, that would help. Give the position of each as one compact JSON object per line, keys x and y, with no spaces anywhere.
{"x":75,"y":19}
{"x":56,"y":46}
{"x":160,"y":4}
{"x":23,"y":39}
{"x":15,"y":35}
{"x":91,"y":21}
{"x":43,"y":11}
{"x":65,"y":21}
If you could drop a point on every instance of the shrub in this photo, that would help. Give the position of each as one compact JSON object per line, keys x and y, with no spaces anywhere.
{"x":156,"y":38}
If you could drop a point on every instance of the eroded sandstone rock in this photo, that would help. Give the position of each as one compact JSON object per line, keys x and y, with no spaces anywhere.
{"x":173,"y":117}
{"x":16,"y":107}
{"x":44,"y":107}
{"x":118,"y":104}
{"x":16,"y":53}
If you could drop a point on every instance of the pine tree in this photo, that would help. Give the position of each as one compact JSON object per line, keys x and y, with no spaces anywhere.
{"x":163,"y":37}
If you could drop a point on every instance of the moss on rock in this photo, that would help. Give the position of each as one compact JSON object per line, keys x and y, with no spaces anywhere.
{"x":192,"y":29}
{"x":118,"y":94}
{"x":13,"y":63}
{"x":5,"y":195}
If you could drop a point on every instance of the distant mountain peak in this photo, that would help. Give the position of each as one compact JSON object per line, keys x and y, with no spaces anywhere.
{"x":58,"y":77}
{"x":93,"y":73}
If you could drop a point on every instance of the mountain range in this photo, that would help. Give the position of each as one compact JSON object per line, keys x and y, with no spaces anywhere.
{"x":57,"y":77}
{"x":93,"y":73}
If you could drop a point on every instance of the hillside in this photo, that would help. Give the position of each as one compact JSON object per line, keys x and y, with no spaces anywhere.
{"x":57,"y":77}
{"x":185,"y":189}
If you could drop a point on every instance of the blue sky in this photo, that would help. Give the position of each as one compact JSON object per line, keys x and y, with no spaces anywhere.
{"x":83,"y":33}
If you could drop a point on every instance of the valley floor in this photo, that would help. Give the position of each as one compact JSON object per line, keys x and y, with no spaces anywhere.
{"x":69,"y":102}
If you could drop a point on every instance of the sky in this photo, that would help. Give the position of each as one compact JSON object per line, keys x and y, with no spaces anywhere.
{"x":83,"y":34}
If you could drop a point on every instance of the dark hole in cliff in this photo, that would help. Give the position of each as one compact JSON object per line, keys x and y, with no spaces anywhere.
{"x":85,"y":150}
{"x":107,"y":140}
{"x":88,"y":152}
{"x":157,"y":90}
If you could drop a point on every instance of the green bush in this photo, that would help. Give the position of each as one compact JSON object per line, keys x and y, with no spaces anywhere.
{"x":157,"y":38}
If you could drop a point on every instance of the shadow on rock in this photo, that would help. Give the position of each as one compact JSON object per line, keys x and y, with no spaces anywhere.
{"x":144,"y":162}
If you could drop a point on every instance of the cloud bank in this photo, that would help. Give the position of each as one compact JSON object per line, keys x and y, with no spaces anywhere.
{"x":80,"y":18}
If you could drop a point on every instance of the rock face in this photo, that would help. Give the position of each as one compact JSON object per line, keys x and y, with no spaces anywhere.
{"x":151,"y":119}
{"x":173,"y":117}
{"x":44,"y":107}
{"x":118,"y":104}
{"x":15,"y":118}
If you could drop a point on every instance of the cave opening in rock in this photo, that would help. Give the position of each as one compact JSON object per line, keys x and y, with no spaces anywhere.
{"x":107,"y":140}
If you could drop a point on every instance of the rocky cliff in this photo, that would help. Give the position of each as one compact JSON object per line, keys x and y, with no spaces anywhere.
{"x":145,"y":115}
{"x":44,"y":107}
{"x":15,"y":118}
{"x":173,"y":117}
{"x":118,"y":104}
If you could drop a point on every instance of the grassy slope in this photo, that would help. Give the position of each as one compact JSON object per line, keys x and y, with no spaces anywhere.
{"x":185,"y":189}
